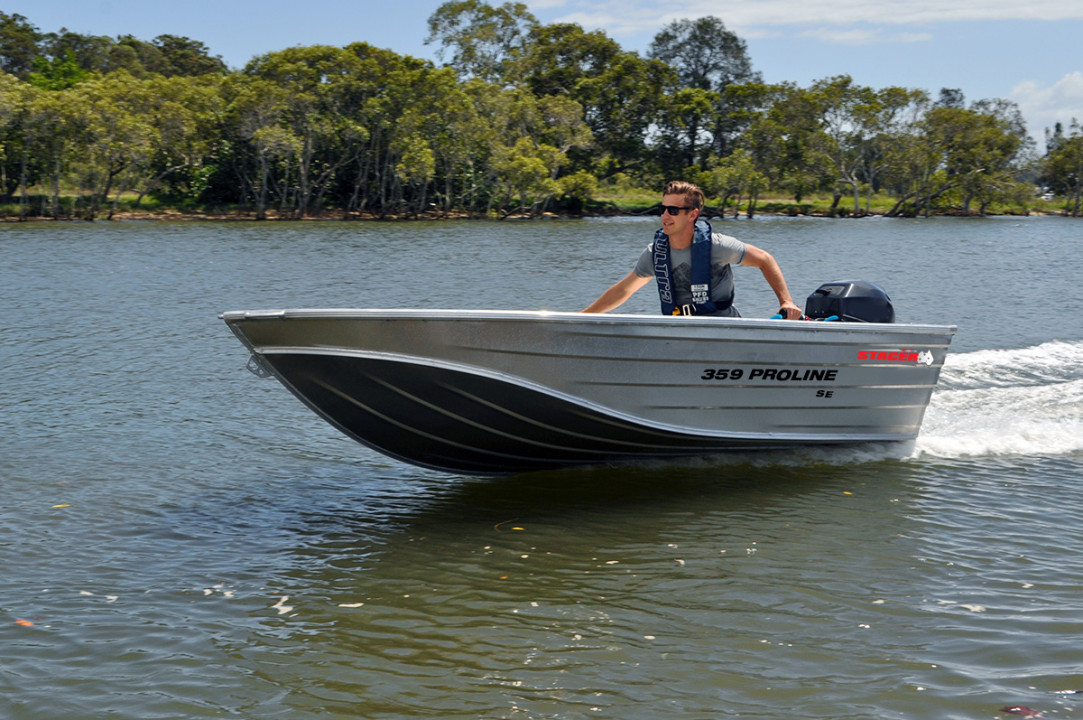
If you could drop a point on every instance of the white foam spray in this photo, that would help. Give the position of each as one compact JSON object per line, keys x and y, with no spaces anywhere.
{"x":1027,"y":401}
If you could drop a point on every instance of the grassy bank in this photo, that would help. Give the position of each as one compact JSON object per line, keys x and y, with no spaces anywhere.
{"x":608,"y":201}
{"x":638,"y":201}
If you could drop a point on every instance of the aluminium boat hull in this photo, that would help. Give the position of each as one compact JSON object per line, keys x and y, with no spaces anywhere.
{"x":488,"y":392}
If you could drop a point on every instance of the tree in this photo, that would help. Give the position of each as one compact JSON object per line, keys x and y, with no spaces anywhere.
{"x":57,"y":73}
{"x":120,"y":140}
{"x":19,"y":42}
{"x":765,"y":138}
{"x":886,"y":119}
{"x":707,"y":57}
{"x":255,"y":118}
{"x":188,"y":57}
{"x":735,"y":176}
{"x":1062,"y":167}
{"x":840,"y":102}
{"x":951,"y":98}
{"x":321,"y":101}
{"x":455,"y":131}
{"x":620,"y":106}
{"x":577,"y":188}
{"x":483,"y":39}
{"x":435,"y":136}
{"x":789,"y":142}
{"x":533,"y":136}
{"x":704,"y":53}
{"x":16,"y":101}
{"x":89,"y":52}
{"x":859,"y":122}
{"x":955,"y":153}
{"x":680,"y":140}
{"x":416,"y":162}
{"x":914,"y":161}
{"x":557,"y":58}
{"x":186,"y":116}
{"x":410,"y":118}
{"x":138,"y":57}
{"x":978,"y":152}
{"x":526,"y":169}
{"x":560,"y":123}
{"x":167,"y":55}
{"x":620,"y":94}
{"x":54,"y":137}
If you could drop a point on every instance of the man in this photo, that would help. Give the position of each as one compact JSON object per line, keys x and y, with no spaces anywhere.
{"x":691,"y":265}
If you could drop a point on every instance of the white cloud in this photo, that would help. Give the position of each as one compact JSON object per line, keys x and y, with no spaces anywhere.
{"x":536,"y":5}
{"x":613,"y":25}
{"x":863,"y":36}
{"x":744,"y":16}
{"x":1045,"y":106}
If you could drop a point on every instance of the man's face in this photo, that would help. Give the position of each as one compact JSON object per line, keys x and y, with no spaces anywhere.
{"x":681,"y":222}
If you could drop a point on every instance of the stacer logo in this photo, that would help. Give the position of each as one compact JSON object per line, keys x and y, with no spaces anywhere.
{"x":905,"y":355}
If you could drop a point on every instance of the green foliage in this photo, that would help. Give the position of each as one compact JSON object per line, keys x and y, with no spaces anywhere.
{"x":733,"y":177}
{"x":582,"y":185}
{"x":483,"y":39}
{"x":525,"y":118}
{"x":58,"y":73}
{"x":18,"y":44}
{"x":708,"y":61}
{"x":56,"y":58}
{"x":1063,"y":167}
{"x":187,"y":57}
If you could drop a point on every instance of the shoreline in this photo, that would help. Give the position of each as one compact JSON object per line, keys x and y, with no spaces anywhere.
{"x":246,"y":216}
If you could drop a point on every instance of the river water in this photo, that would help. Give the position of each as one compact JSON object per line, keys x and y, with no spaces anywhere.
{"x":180,"y":539}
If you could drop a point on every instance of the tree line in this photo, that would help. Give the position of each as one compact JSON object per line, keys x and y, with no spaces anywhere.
{"x":520,"y":117}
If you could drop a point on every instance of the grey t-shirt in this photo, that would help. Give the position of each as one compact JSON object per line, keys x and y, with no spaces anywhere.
{"x":725,"y":251}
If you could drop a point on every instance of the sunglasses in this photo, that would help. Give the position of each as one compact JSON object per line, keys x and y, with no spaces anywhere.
{"x":674,"y":209}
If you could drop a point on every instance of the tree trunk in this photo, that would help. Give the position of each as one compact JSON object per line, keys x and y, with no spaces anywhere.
{"x":56,"y":186}
{"x":303,"y":170}
{"x":836,"y":197}
{"x":24,"y":199}
{"x":120,"y":191}
{"x":261,"y":191}
{"x":752,"y":200}
{"x":157,"y":179}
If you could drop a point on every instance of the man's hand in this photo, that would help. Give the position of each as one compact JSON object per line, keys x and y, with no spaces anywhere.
{"x":791,"y":311}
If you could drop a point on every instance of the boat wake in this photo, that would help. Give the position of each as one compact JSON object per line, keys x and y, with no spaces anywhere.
{"x":1026,"y":401}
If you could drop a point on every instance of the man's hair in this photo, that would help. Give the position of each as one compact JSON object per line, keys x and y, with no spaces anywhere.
{"x":692,"y":194}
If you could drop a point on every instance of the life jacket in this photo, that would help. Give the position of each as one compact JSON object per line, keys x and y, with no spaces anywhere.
{"x":701,"y":274}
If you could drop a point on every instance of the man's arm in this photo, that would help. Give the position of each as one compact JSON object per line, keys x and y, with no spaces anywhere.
{"x":772,"y":273}
{"x":615,"y":296}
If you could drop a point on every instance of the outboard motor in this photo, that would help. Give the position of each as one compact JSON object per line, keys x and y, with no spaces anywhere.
{"x":850,"y":301}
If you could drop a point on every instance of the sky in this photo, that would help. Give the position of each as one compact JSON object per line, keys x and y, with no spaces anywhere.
{"x":1026,"y":51}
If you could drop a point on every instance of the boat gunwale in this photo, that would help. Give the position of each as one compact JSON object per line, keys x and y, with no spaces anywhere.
{"x":663,"y":321}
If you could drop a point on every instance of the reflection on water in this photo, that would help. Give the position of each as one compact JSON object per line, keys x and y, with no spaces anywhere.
{"x":181,"y":539}
{"x":549,"y":593}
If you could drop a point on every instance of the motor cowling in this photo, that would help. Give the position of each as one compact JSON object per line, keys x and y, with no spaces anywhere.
{"x":850,"y":301}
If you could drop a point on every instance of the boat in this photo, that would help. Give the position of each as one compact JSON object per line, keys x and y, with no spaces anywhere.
{"x":497,"y":392}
